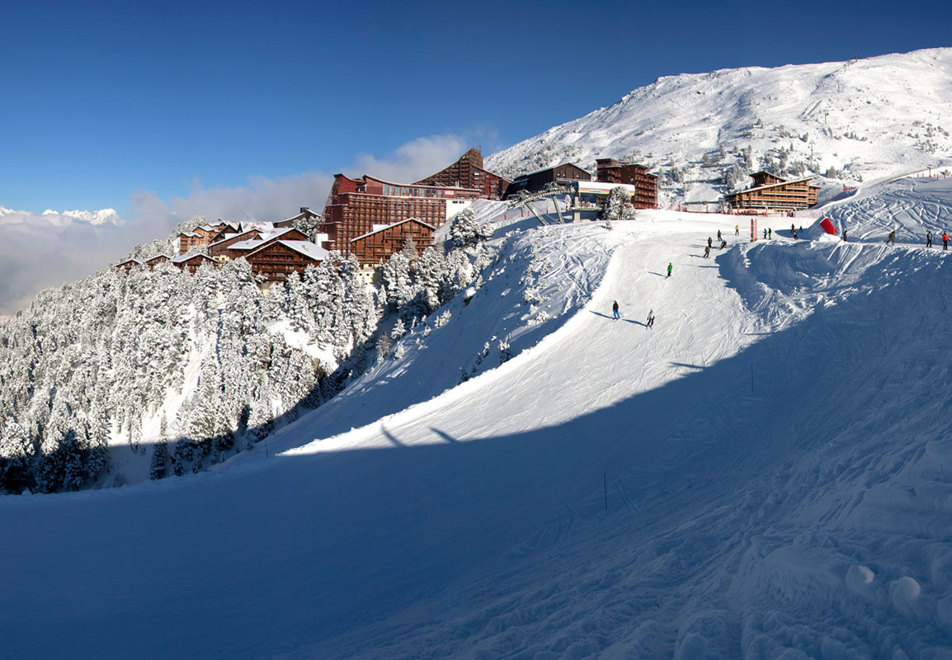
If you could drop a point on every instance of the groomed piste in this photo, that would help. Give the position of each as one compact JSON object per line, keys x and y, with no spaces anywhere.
{"x":766,"y":472}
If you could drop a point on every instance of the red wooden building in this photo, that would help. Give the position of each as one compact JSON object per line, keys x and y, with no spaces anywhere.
{"x":204,"y":235}
{"x":468,"y":172}
{"x":194,"y":262}
{"x":128,"y":265}
{"x":157,"y":259}
{"x":219,"y":248}
{"x":771,"y":193}
{"x":375,"y":247}
{"x":305,"y":214}
{"x":356,"y":205}
{"x":537,"y":181}
{"x":278,"y":259}
{"x":609,"y":170}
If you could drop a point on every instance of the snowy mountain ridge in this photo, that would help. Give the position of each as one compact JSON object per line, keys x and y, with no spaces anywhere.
{"x":703,"y":132}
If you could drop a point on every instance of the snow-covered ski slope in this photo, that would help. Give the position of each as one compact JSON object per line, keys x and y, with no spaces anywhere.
{"x":868,"y":119}
{"x":769,"y":469}
{"x":911,"y":206}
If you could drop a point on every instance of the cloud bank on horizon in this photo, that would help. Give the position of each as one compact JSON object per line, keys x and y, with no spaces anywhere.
{"x":42,"y":250}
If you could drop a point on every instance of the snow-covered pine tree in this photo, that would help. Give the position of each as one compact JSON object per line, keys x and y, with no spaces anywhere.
{"x":466,"y":230}
{"x":619,"y":206}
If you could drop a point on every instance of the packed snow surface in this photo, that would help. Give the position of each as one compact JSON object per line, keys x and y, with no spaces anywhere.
{"x":767,"y":472}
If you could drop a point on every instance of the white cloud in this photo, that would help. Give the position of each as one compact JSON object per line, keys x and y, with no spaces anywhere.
{"x":414,"y":160}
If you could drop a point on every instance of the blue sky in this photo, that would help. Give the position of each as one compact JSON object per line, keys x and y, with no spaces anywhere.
{"x":104,"y":99}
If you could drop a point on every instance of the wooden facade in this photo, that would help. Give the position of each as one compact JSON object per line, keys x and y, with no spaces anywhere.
{"x":193,"y":263}
{"x":203,"y":235}
{"x":219,"y":249}
{"x":156,"y":260}
{"x":537,"y":181}
{"x":609,"y":170}
{"x":468,"y":172}
{"x":305,"y":214}
{"x":771,"y":193}
{"x":279,"y":259}
{"x":356,"y":205}
{"x":128,"y":265}
{"x":376,"y":247}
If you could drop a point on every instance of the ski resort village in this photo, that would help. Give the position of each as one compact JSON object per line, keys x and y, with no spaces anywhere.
{"x":672,"y":379}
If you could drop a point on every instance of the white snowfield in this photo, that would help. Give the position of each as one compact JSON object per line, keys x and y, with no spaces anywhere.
{"x":767,"y":472}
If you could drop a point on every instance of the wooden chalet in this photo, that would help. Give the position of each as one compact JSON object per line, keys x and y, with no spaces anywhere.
{"x":305,"y":214}
{"x":468,"y":172}
{"x":772,"y":193}
{"x":278,"y":259}
{"x":376,"y":246}
{"x":242,"y":248}
{"x":204,"y":235}
{"x":156,"y":260}
{"x":219,"y":249}
{"x":194,"y":262}
{"x":609,"y":170}
{"x":128,"y":265}
{"x":537,"y":181}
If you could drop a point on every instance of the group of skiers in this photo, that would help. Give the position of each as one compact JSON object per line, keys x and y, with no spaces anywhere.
{"x":945,"y":239}
{"x":891,"y":238}
{"x":651,"y":316}
{"x":710,"y":244}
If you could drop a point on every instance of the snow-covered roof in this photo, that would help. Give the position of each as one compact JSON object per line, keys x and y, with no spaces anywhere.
{"x":228,"y":237}
{"x":379,"y":228}
{"x":306,"y":248}
{"x":182,"y":258}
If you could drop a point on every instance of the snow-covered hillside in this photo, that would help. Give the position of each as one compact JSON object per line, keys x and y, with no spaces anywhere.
{"x":765,"y":473}
{"x":851,"y":121}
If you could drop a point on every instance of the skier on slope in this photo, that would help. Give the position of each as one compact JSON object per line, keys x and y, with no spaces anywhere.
{"x":670,"y":267}
{"x":650,"y":322}
{"x":719,"y":235}
{"x":928,"y":239}
{"x":710,"y":242}
{"x":945,"y":240}
{"x":707,"y":251}
{"x":736,"y":230}
{"x":723,"y":244}
{"x":615,"y":314}
{"x":892,"y":238}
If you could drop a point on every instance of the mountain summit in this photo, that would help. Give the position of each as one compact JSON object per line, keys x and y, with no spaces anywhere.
{"x":847,"y":121}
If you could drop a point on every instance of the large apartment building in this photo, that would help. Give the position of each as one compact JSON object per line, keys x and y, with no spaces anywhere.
{"x":355,"y":206}
{"x":645,"y":196}
{"x":468,"y":172}
{"x":771,"y":193}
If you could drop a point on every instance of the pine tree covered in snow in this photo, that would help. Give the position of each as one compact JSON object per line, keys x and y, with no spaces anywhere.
{"x":619,"y":206}
{"x":466,"y":230}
